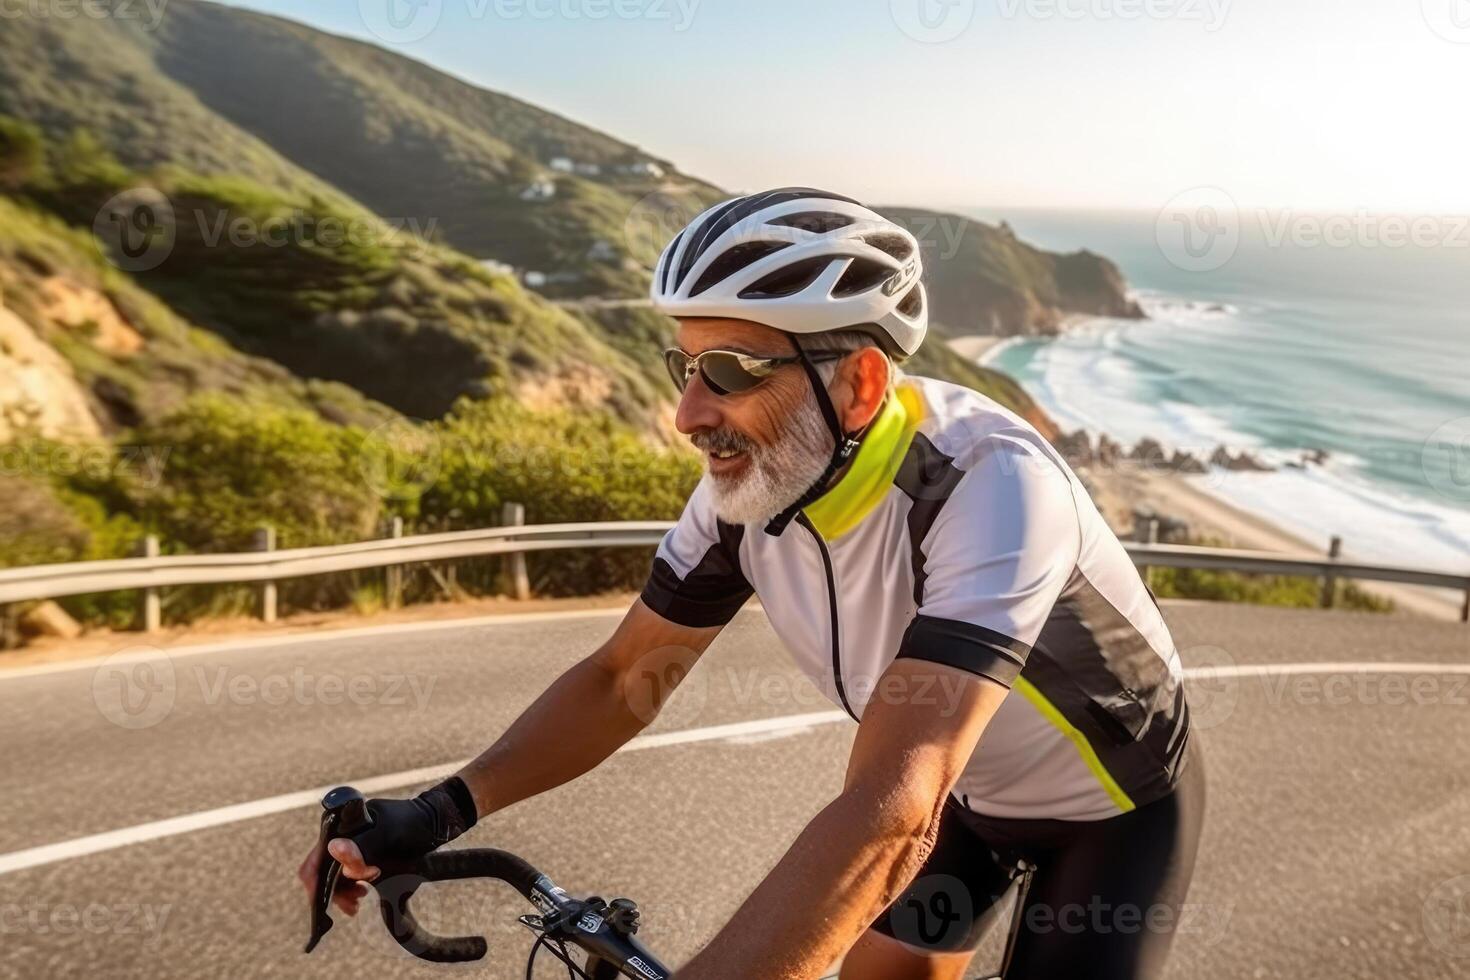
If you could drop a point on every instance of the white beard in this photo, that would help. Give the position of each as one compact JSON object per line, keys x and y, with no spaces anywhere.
{"x":778,"y":474}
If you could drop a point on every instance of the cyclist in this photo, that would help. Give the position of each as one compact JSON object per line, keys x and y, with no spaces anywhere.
{"x":934,"y":566}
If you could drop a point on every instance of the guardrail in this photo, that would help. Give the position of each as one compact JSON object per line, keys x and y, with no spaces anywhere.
{"x":267,"y":566}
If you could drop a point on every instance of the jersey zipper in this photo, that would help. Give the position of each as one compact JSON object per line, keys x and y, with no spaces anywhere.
{"x":805,"y":522}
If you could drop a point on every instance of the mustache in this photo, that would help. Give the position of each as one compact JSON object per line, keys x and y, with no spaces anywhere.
{"x":723,"y":441}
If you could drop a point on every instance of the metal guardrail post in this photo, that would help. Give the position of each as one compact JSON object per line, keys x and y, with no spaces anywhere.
{"x":393,"y":575}
{"x":152,"y":610}
{"x":1329,"y":581}
{"x":1148,"y":533}
{"x":265,"y":540}
{"x":517,"y":579}
{"x":9,"y":628}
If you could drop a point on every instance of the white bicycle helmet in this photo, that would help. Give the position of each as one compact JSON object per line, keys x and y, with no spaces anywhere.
{"x":801,"y":260}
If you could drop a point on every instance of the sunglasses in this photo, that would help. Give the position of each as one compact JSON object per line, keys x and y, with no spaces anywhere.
{"x":728,"y":372}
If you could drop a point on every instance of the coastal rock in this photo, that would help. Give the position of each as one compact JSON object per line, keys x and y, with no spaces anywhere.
{"x":1075,"y":447}
{"x":1109,"y":451}
{"x":1183,"y":462}
{"x":982,"y":279}
{"x":1243,"y":462}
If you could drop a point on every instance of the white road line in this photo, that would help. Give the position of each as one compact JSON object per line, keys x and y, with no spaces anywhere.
{"x":148,"y":651}
{"x":113,"y":839}
{"x":744,"y":732}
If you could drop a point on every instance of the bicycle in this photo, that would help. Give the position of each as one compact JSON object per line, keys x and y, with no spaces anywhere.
{"x":601,"y":930}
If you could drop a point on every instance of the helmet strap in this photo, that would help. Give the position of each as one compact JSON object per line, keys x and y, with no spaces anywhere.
{"x":844,"y":446}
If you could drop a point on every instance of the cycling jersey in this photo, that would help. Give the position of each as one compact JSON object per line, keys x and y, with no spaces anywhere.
{"x":959,"y":536}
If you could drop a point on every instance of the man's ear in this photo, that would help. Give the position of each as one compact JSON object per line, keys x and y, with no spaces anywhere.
{"x":865,"y":373}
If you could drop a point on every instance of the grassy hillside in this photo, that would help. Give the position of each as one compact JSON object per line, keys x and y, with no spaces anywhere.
{"x":123,"y":352}
{"x":329,"y":292}
{"x":218,"y":90}
{"x":982,"y":279}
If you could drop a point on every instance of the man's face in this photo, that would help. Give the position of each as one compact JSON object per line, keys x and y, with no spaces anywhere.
{"x":764,"y":447}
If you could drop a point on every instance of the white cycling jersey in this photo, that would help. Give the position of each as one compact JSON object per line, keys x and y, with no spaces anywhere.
{"x":960,"y":536}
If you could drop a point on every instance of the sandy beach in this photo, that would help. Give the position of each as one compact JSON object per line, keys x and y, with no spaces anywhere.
{"x":1121,"y":490}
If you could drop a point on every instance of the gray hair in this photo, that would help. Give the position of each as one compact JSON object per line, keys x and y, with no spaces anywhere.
{"x":847,"y":342}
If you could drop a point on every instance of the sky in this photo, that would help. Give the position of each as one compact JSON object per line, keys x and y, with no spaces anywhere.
{"x":1326,"y":105}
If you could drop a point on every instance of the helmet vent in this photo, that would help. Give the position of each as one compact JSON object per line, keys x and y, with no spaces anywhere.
{"x":816,"y":222}
{"x":733,"y":261}
{"x":895,"y":245}
{"x":788,"y":281}
{"x":912,"y":303}
{"x":669,"y":254}
{"x":861,"y":276}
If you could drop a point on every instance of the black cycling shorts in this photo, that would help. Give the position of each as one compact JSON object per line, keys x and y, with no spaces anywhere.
{"x":1104,"y":901}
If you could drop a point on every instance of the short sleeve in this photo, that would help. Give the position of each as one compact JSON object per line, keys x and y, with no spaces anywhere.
{"x":696,"y":578}
{"x":997,"y":557}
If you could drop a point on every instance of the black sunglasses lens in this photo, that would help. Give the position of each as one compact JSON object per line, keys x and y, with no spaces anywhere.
{"x":724,"y":373}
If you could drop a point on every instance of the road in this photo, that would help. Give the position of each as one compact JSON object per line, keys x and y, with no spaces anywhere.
{"x":1335,"y":847}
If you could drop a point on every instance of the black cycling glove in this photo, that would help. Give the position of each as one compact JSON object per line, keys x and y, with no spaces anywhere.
{"x":405,"y":830}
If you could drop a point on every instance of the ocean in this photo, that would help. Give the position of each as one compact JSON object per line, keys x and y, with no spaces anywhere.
{"x":1302,"y":337}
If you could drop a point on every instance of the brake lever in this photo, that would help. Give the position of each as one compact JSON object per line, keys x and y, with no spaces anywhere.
{"x":344,"y":813}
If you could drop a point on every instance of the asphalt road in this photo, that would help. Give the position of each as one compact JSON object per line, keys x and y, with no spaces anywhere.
{"x":1336,"y":844}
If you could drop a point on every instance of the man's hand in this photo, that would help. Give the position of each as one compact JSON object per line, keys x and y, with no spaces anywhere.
{"x":349,"y":893}
{"x":401,"y":832}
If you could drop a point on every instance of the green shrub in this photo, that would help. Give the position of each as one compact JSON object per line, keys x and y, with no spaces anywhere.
{"x":1262,"y":590}
{"x":232,"y":466}
{"x":564,"y":467}
{"x":22,"y":153}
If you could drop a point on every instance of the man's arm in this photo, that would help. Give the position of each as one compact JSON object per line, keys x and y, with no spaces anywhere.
{"x":590,"y":712}
{"x":857,"y":855}
{"x":585,"y":716}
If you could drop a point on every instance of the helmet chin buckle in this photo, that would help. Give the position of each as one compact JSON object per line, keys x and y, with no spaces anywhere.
{"x":845,"y":445}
